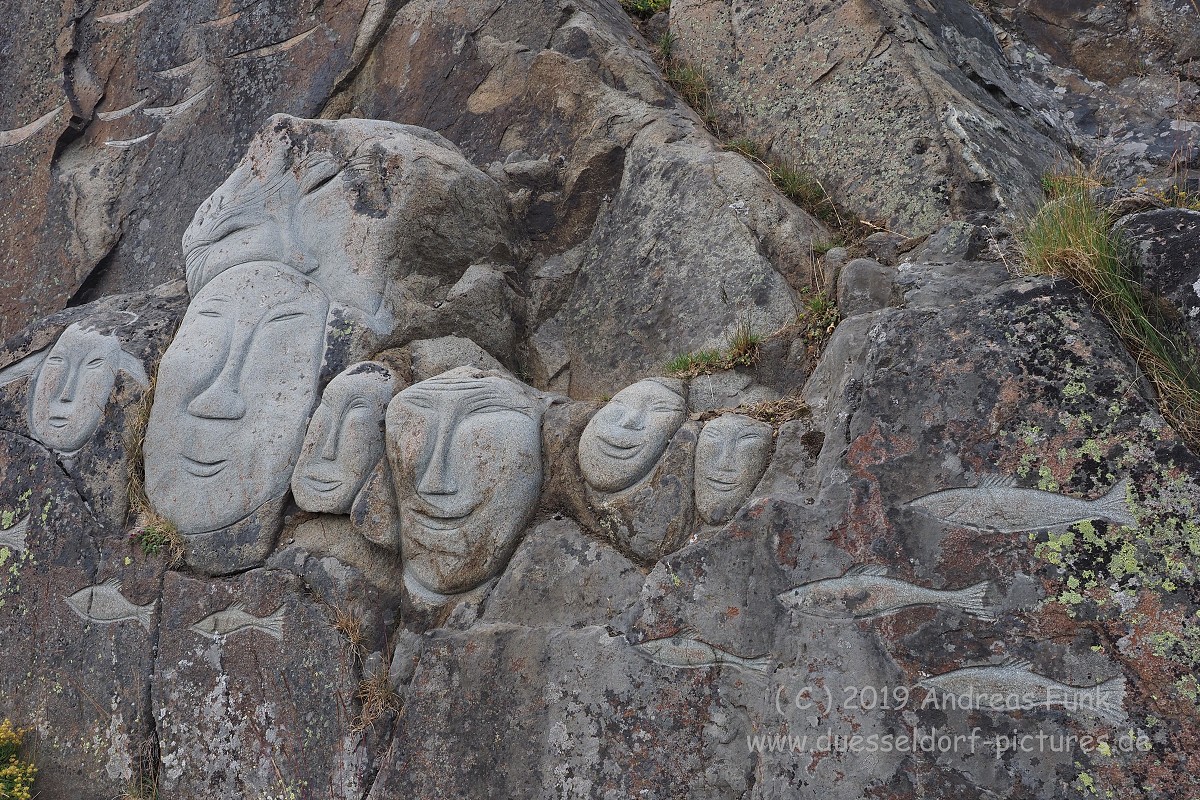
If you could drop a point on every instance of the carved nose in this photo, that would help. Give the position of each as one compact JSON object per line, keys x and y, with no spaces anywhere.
{"x":67,"y":394}
{"x":632,"y":419}
{"x":218,"y":402}
{"x":438,"y":477}
{"x":328,"y":448}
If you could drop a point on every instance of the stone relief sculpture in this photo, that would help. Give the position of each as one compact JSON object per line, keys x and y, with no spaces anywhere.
{"x":72,"y":382}
{"x":234,"y":392}
{"x":104,"y":603}
{"x":465,"y":453}
{"x":731,"y":455}
{"x":622,"y":442}
{"x":636,"y":457}
{"x":1014,"y":686}
{"x":236,"y":618}
{"x":289,"y":265}
{"x":865,"y":592}
{"x":344,"y":443}
{"x":998,"y":505}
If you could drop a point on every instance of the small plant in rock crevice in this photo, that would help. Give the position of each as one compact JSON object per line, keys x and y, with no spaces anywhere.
{"x":741,"y":350}
{"x":16,"y":775}
{"x":377,"y":698}
{"x":154,"y":533}
{"x":645,"y":8}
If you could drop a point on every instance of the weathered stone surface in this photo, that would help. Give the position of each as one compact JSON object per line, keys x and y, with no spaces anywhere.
{"x":931,"y":81}
{"x":729,"y":389}
{"x":1167,"y":246}
{"x":560,"y":578}
{"x":864,"y":285}
{"x":625,"y":439}
{"x":432,"y":357}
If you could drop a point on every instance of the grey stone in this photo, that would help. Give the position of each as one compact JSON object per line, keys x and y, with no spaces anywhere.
{"x":655,"y":515}
{"x":624,"y":439}
{"x":864,"y":285}
{"x":731,"y":454}
{"x":940,"y":284}
{"x":465,"y":452}
{"x":559,"y":578}
{"x":726,"y":389}
{"x":1165,"y":244}
{"x":432,"y":357}
{"x":344,"y":442}
{"x":884,"y":246}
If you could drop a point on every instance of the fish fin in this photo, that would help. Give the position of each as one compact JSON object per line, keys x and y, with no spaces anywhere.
{"x":238,"y":606}
{"x":143,"y":615}
{"x":1018,"y":663}
{"x":760,"y":665}
{"x":871,"y":570}
{"x":1110,"y":699}
{"x":273,"y":625}
{"x":973,"y":600}
{"x":996,"y":482}
{"x":113,"y":583}
{"x":19,"y":529}
{"x":1113,"y":505}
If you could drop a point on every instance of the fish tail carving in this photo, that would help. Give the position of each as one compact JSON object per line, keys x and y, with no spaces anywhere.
{"x":760,"y":665}
{"x":1113,"y":506}
{"x":1110,"y":699}
{"x":143,"y":615}
{"x":973,"y":600}
{"x":273,"y":625}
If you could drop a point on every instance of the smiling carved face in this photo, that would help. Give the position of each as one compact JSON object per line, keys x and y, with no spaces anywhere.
{"x":731,"y":454}
{"x":233,"y":397}
{"x":623,"y":440}
{"x":72,"y":387}
{"x":344,"y":440}
{"x":465,"y":451}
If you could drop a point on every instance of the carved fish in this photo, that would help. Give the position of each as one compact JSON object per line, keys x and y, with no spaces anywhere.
{"x":104,"y":603}
{"x":236,"y":618}
{"x":1014,"y":685}
{"x":996,"y":504}
{"x":14,"y":537}
{"x":680,"y":651}
{"x":866,"y":591}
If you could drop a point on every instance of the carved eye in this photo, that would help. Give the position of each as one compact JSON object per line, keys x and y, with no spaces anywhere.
{"x":288,"y":316}
{"x":318,"y":175}
{"x":419,"y":402}
{"x":209,"y":312}
{"x":55,"y":360}
{"x":358,"y":405}
{"x":491,"y":408}
{"x":664,"y":408}
{"x":96,"y":363}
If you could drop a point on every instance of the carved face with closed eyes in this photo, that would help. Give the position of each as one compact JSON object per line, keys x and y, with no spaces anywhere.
{"x":465,"y":450}
{"x":233,"y":397}
{"x":72,"y":387}
{"x":623,"y":440}
{"x":344,"y":440}
{"x":731,"y":455}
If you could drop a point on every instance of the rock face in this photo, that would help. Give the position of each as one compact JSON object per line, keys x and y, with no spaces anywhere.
{"x":335,"y":509}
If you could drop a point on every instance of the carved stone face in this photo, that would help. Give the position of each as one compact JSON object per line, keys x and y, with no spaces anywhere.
{"x":731,"y":454}
{"x":344,"y":440}
{"x":234,"y":393}
{"x":72,"y":387}
{"x":465,"y":450}
{"x":623,"y":440}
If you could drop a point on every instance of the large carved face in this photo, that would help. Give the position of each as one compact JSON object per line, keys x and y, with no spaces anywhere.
{"x":465,"y":450}
{"x":234,"y":393}
{"x":731,"y":454}
{"x":72,"y":387}
{"x":344,"y":440}
{"x":623,"y":440}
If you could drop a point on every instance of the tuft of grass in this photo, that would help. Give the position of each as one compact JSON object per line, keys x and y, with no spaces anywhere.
{"x":689,"y":82}
{"x":741,"y":350}
{"x":1072,"y":236}
{"x":156,"y":535}
{"x":817,"y":319}
{"x":776,"y":412}
{"x":350,"y":626}
{"x":16,"y":775}
{"x":798,"y":185}
{"x":377,"y":698}
{"x":643,"y":9}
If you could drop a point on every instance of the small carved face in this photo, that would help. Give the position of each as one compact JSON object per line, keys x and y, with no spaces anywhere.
{"x":465,"y":450}
{"x":623,"y":441}
{"x":234,"y":393}
{"x":731,"y":454}
{"x":72,"y":387}
{"x":344,"y":440}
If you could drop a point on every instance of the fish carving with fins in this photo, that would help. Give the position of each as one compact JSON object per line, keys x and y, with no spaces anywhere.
{"x":15,"y":537}
{"x":236,"y":618}
{"x":865,"y":591}
{"x":104,"y":603}
{"x":688,"y":653}
{"x":998,"y":505}
{"x":1014,"y":686}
